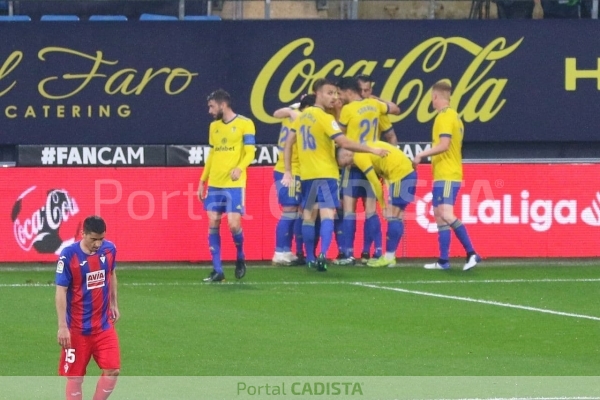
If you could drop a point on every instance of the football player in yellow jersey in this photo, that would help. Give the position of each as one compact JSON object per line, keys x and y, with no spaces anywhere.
{"x":386,"y":129}
{"x":401,"y":178}
{"x":359,"y":119}
{"x":446,"y":165}
{"x":316,"y":133}
{"x":231,"y":138}
{"x":290,"y":222}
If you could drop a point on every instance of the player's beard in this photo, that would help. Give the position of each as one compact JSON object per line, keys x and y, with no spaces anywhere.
{"x":219,"y":114}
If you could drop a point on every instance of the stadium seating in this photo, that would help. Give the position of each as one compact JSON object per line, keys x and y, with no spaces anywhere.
{"x":202,"y":18}
{"x":108,"y":18}
{"x":59,"y":18}
{"x":14,"y":18}
{"x":157,"y":17}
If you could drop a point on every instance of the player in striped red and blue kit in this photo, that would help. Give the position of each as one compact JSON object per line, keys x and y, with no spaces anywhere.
{"x":87,"y":308}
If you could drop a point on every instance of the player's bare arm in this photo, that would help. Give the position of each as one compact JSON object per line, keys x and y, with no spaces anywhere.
{"x":287,"y":158}
{"x":345,"y":143}
{"x":393,"y":108}
{"x":286,"y":112}
{"x":204,"y":179}
{"x":114,"y":304}
{"x":439,"y":148}
{"x":201,"y":190}
{"x":390,"y":137}
{"x":63,"y":336}
{"x":235,"y":174}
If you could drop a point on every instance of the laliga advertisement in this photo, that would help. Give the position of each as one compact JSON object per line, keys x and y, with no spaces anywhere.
{"x":95,"y":84}
{"x":153,"y":214}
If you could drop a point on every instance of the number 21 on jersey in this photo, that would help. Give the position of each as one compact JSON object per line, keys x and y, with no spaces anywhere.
{"x":366,"y":128}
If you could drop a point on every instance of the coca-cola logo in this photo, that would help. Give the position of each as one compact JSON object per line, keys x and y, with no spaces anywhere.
{"x":40,"y":227}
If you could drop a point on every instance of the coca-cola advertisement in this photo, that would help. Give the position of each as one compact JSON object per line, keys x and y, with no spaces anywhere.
{"x":45,"y":221}
{"x":153,"y":214}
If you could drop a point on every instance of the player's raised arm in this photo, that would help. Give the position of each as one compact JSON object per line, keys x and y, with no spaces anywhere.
{"x":391,"y":108}
{"x":290,"y":141}
{"x":286,"y":112}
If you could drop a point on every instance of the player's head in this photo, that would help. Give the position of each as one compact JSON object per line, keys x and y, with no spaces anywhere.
{"x":348,"y":89}
{"x":217,"y":102}
{"x":365,"y":83}
{"x":307,"y":101}
{"x":325,"y":92}
{"x":440,"y":94}
{"x":94,"y":229}
{"x":345,"y":158}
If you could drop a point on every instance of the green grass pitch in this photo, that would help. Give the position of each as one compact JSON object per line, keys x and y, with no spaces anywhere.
{"x":501,"y":319}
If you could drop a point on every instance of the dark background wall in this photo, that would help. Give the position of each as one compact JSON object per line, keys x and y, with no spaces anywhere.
{"x":83,"y":83}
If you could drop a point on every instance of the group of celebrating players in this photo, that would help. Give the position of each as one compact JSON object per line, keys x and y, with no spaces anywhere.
{"x":337,"y":127}
{"x":332,"y":156}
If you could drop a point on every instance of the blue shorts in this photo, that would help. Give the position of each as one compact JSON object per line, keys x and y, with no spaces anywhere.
{"x":402,"y":193}
{"x":287,"y":196}
{"x":355,"y":184}
{"x":445,"y":192}
{"x":324,"y":192}
{"x":225,"y":200}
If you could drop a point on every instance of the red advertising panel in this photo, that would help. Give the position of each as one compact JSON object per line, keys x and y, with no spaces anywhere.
{"x":152,"y":214}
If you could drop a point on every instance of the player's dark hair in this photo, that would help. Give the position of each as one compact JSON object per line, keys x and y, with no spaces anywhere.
{"x":307,"y":101}
{"x":319,"y":83}
{"x":94,"y":224}
{"x":364,"y":78}
{"x":220,"y":96}
{"x":349,"y":83}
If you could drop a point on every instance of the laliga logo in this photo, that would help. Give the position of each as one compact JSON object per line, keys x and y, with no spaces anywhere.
{"x":591,"y":215}
{"x":538,"y":214}
{"x":425,"y":208}
{"x":40,"y":230}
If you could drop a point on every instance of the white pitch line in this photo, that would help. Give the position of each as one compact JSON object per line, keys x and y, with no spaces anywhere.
{"x":300,"y":283}
{"x":471,"y":300}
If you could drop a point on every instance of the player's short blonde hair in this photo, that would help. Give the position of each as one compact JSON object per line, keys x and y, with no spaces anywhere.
{"x":442,"y":86}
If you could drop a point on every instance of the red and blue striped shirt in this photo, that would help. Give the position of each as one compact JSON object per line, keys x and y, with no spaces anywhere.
{"x":87,"y":278}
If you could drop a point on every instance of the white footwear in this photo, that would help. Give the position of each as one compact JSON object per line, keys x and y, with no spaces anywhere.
{"x":280,"y":259}
{"x":471,"y":262}
{"x":291,"y":257}
{"x":437,"y":265}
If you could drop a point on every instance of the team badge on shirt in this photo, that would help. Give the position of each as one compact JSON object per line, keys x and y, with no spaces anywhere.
{"x":102,"y":258}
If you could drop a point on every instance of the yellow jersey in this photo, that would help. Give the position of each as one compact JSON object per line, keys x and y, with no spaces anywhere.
{"x":286,"y":127}
{"x":232,"y":146}
{"x":447,"y":166}
{"x":361,"y":119}
{"x":393,"y":167}
{"x":315,"y":131}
